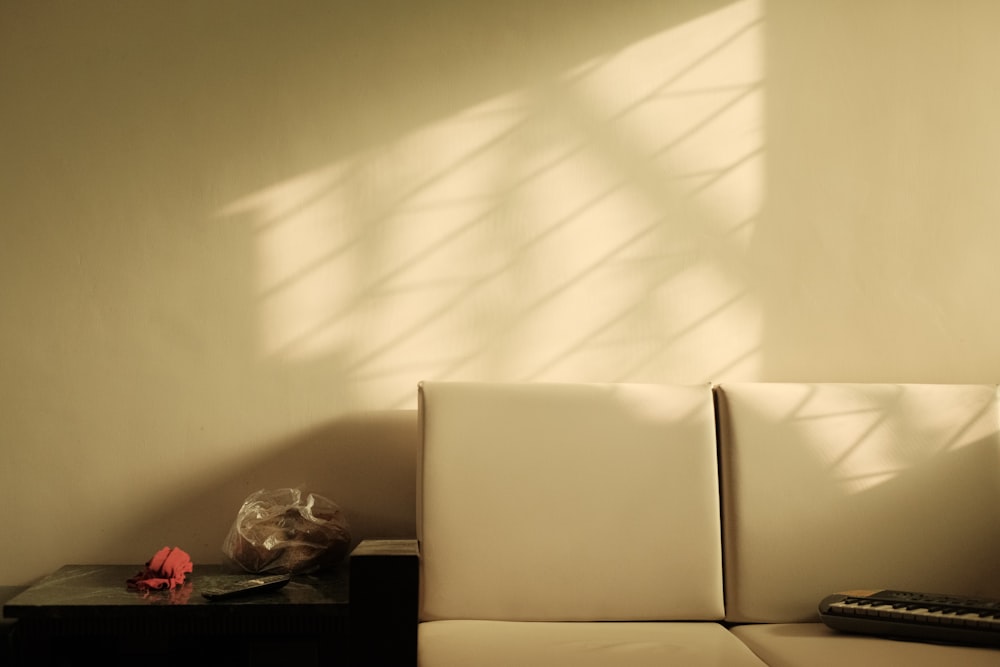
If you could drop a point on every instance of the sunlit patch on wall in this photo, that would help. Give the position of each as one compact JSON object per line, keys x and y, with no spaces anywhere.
{"x":590,"y":226}
{"x":864,"y":436}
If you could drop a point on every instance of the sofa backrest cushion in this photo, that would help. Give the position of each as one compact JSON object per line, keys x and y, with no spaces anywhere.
{"x":568,"y":502}
{"x":832,"y":487}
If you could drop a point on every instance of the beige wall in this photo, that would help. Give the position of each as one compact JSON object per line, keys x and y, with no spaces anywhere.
{"x":235,"y":235}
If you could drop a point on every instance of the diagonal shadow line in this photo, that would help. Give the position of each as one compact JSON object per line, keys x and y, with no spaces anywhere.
{"x":467,"y":158}
{"x":961,"y":430}
{"x":310,"y":268}
{"x":865,"y":435}
{"x":638,"y":304}
{"x":594,"y":126}
{"x":611,"y":322}
{"x":373,"y":288}
{"x":402,"y":267}
{"x":451,"y":238}
{"x":659,"y":92}
{"x":707,"y":119}
{"x":594,"y":266}
{"x":379,"y":221}
{"x":743,"y":93}
{"x":753,"y":351}
{"x":691,"y":328}
{"x":882,"y":418}
{"x":945,"y":446}
{"x":476,"y":284}
{"x":882,"y":415}
{"x":734,"y":88}
{"x":720,"y":174}
{"x":582,"y":343}
{"x":871,"y":478}
{"x":266,"y":223}
{"x":561,"y":288}
{"x":795,"y":414}
{"x":342,"y":178}
{"x":836,"y":414}
{"x":711,"y":53}
{"x":738,"y":228}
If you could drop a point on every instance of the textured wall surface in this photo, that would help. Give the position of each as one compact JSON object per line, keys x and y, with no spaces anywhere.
{"x":234,"y":236}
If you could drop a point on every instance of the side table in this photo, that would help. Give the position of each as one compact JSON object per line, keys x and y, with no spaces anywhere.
{"x":83,"y":613}
{"x":7,"y":625}
{"x":385,"y":591}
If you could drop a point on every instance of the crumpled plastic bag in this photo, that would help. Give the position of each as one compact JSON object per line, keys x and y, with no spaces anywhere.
{"x":165,"y":570}
{"x":286,"y":531}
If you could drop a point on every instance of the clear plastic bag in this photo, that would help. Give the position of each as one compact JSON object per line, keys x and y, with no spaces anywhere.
{"x":287,"y":531}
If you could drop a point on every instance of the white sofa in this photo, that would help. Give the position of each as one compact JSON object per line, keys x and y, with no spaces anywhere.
{"x":637,"y":525}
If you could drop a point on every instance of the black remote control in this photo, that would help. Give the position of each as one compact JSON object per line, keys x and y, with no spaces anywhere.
{"x":221,"y":588}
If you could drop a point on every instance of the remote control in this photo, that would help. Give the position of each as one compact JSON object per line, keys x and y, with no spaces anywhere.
{"x":219,"y":588}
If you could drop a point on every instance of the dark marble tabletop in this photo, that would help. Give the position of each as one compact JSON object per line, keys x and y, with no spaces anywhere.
{"x":86,"y":590}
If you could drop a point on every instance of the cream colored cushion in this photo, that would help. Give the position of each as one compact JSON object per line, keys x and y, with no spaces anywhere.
{"x":504,"y":644}
{"x":831,"y":487}
{"x":815,"y":645}
{"x":568,"y":502}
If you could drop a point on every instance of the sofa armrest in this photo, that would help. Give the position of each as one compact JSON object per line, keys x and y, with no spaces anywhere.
{"x":384,"y":589}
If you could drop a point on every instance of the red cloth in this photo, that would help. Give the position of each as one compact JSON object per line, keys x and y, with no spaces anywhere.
{"x":166,"y":569}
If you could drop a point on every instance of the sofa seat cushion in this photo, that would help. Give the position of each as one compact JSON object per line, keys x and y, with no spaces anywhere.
{"x":814,"y":644}
{"x":541,"y":644}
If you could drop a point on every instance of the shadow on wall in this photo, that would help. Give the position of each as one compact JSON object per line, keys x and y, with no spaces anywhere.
{"x":364,"y":462}
{"x":587,"y":223}
{"x":228,"y":223}
{"x":514,"y":192}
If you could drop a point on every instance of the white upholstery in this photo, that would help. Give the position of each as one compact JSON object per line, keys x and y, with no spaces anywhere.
{"x":504,"y":643}
{"x":830,"y":487}
{"x":568,"y":502}
{"x":815,"y":645}
{"x":579,"y":524}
